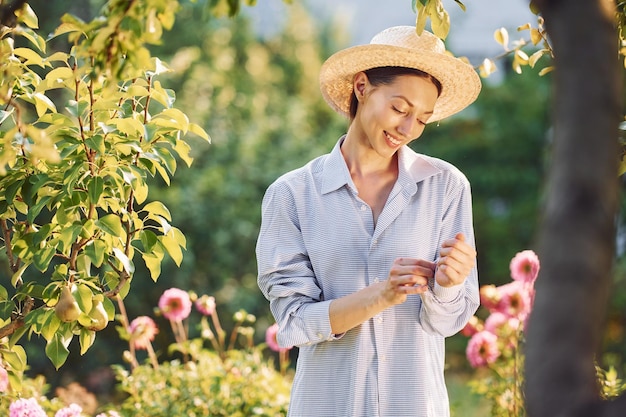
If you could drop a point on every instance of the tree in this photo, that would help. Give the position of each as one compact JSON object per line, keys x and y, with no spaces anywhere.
{"x":576,"y":241}
{"x":74,"y":211}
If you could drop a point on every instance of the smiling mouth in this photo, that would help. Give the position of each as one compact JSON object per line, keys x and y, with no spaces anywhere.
{"x":393,"y":140}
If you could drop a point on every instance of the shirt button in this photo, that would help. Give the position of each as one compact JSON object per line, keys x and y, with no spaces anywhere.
{"x":383,"y":358}
{"x":375,"y":241}
{"x":379,"y":319}
{"x":376,"y":279}
{"x":363,"y":208}
{"x":321,"y":336}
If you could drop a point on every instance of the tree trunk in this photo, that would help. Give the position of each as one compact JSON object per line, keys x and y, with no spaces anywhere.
{"x":577,"y":234}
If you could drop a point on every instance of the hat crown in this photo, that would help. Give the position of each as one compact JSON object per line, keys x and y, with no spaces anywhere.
{"x":407,"y":37}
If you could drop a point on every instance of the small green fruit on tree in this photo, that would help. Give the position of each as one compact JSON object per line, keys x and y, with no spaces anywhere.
{"x":80,"y":133}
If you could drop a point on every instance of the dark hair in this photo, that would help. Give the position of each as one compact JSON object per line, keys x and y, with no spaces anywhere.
{"x":386,"y":75}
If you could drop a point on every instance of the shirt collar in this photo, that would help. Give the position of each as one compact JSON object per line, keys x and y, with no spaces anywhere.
{"x":412,"y":169}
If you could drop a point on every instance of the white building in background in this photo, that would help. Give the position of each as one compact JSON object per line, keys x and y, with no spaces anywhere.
{"x":471,"y":33}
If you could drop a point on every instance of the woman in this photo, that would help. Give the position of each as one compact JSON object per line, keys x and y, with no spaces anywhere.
{"x":367,"y":254}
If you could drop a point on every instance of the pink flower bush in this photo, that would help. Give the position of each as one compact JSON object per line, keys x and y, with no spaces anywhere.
{"x":175,"y":304}
{"x":142,"y":332}
{"x":206,"y":305}
{"x":26,"y":407}
{"x":482,"y":349}
{"x":270,"y":339}
{"x":74,"y":410}
{"x":525,"y":266}
{"x":495,"y":341}
{"x":4,"y":379}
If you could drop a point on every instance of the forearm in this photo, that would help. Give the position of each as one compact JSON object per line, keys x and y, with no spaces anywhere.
{"x":351,"y":310}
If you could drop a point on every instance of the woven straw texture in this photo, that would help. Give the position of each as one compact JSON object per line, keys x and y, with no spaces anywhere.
{"x":400,"y":46}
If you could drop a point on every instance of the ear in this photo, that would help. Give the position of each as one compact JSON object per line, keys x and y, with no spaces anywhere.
{"x":360,"y":84}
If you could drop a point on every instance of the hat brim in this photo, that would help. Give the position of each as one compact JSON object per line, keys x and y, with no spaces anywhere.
{"x":460,"y":82}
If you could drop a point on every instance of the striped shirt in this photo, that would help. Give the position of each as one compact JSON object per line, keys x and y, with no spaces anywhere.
{"x":318,"y":242}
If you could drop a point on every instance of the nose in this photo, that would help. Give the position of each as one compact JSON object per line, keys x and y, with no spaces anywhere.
{"x":408,"y":128}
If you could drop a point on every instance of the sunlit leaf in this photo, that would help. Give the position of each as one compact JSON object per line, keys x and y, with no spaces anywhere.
{"x":502,"y":37}
{"x":156,"y":207}
{"x":56,"y":350}
{"x":30,"y":57}
{"x":86,"y":338}
{"x":111,"y":224}
{"x":126,"y":262}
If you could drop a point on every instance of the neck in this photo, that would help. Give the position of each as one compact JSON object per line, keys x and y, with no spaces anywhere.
{"x":363,"y":160}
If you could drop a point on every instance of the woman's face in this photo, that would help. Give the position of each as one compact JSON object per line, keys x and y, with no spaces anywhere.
{"x":392,"y":115}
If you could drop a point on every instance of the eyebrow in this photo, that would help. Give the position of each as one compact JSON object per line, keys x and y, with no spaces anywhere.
{"x":409,"y":102}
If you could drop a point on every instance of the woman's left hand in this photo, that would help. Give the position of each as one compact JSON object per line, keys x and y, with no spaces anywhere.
{"x":456,"y":260}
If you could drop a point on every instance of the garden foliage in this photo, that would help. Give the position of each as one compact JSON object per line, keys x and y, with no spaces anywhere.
{"x":81,"y":132}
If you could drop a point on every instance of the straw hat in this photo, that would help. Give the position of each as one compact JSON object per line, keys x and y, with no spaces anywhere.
{"x":400,"y":46}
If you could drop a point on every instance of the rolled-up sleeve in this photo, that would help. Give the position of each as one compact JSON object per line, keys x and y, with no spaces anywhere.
{"x":446,"y":310}
{"x":285,"y":275}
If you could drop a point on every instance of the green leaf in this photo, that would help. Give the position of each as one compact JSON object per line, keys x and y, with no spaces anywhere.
{"x":6,"y":308}
{"x":149,"y":240}
{"x":199,"y":131}
{"x":172,"y":118}
{"x":11,"y":190}
{"x":56,"y":350}
{"x":4,"y":294}
{"x":42,"y":257}
{"x":184,"y":151}
{"x":15,"y":357}
{"x":17,"y":335}
{"x":68,"y":236}
{"x":34,"y":38}
{"x":153,"y":263}
{"x":158,"y":208}
{"x":95,"y":187}
{"x":30,"y":57}
{"x":172,"y":247}
{"x":36,"y":208}
{"x":86,"y":338}
{"x":111,"y":224}
{"x":96,"y":251}
{"x":84,"y":297}
{"x":4,"y":114}
{"x":126,"y":262}
{"x":28,"y":16}
{"x":50,"y":326}
{"x":18,"y":274}
{"x":43,"y":103}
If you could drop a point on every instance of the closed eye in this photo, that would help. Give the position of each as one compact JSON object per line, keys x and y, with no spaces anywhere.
{"x":397,"y":110}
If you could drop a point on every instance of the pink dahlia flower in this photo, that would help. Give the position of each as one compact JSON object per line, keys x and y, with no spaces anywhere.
{"x":26,"y":407}
{"x":270,"y":339}
{"x":142,"y":332}
{"x":74,"y":410}
{"x":206,"y":305}
{"x":497,"y":321}
{"x":525,"y":266}
{"x":516,"y":300}
{"x":482,"y":349}
{"x":175,"y":304}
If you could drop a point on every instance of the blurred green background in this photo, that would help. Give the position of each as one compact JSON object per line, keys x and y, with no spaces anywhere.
{"x":259,"y":100}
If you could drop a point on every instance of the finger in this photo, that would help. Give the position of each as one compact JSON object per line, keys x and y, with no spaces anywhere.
{"x":413,"y":261}
{"x":413,"y":289}
{"x":457,"y":248}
